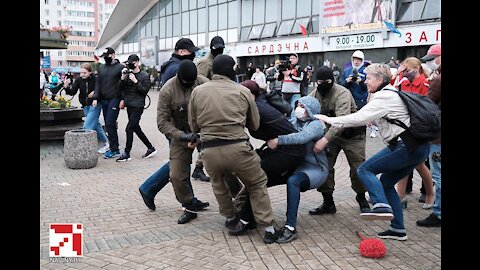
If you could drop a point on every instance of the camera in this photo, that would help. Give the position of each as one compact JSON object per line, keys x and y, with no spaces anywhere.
{"x":127,"y":71}
{"x":69,"y":75}
{"x":354,"y":74}
{"x":284,"y":65}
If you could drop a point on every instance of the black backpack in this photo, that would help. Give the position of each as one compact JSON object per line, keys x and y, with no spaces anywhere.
{"x":425,"y":117}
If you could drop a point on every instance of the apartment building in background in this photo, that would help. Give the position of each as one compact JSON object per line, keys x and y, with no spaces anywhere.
{"x":87,"y":19}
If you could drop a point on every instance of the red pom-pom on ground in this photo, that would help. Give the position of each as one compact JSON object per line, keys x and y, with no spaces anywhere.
{"x":371,"y":247}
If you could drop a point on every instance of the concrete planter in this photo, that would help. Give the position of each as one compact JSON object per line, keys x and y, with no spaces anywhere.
{"x":80,"y":149}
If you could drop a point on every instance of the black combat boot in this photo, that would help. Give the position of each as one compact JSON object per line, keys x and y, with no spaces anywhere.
{"x":362,"y":202}
{"x":198,"y":174}
{"x":188,"y":214}
{"x":328,"y":206}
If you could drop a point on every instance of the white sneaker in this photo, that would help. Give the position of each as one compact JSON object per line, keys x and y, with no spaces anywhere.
{"x":104,"y":149}
{"x":373,"y":134}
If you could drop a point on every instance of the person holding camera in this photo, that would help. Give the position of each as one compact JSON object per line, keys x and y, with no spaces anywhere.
{"x":134,"y":85}
{"x":336,"y":100}
{"x":353,"y":78}
{"x":292,"y":80}
{"x":172,"y":121}
{"x":86,"y":85}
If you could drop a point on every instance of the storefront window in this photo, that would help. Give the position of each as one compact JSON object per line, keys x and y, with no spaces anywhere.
{"x":432,"y":10}
{"x":185,"y":23}
{"x":269,"y":30}
{"x":169,"y":26}
{"x":285,"y":28}
{"x":184,"y":5}
{"x":193,"y":4}
{"x":162,"y":27}
{"x":232,"y":14}
{"x":288,"y":9}
{"x":193,"y":22}
{"x":222,"y":16}
{"x":314,"y":26}
{"x":304,"y":8}
{"x":244,"y":33}
{"x":296,"y":26}
{"x":271,"y":11}
{"x":176,"y":7}
{"x":212,"y":18}
{"x":247,"y":12}
{"x":176,"y":25}
{"x":258,"y":11}
{"x":255,"y":32}
{"x":202,"y":19}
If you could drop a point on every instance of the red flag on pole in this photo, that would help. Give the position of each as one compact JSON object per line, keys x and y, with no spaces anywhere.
{"x":303,"y":29}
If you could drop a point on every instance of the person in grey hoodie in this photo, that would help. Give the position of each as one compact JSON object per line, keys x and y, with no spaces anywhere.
{"x":313,"y":172}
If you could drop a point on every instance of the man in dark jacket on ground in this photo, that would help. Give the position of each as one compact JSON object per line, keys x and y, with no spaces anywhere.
{"x":107,"y":93}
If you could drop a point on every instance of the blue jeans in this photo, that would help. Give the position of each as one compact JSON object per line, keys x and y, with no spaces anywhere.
{"x":158,"y":180}
{"x":110,"y":114}
{"x":393,"y":164}
{"x":296,"y":183}
{"x":91,"y":121}
{"x":436,"y":170}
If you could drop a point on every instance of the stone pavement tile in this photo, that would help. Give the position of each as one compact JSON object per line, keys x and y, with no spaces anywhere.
{"x":93,"y":261}
{"x":111,"y":258}
{"x":115,"y":267}
{"x":258,"y":265}
{"x":132,"y":265}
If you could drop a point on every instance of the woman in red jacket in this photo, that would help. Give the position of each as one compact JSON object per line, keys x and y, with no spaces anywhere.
{"x":414,"y":79}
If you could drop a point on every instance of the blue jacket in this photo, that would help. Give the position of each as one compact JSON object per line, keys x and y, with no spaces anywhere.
{"x":169,"y":68}
{"x":309,"y":131}
{"x":358,"y":90}
{"x":273,"y":123}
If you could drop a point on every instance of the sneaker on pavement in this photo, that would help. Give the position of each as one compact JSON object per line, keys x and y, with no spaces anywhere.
{"x":430,"y":221}
{"x":388,"y":234}
{"x":379,"y":213}
{"x":287,"y":236}
{"x":124,"y":157}
{"x":104,"y":148}
{"x":111,"y":154}
{"x":422,"y":198}
{"x":150,"y":153}
{"x":271,"y":237}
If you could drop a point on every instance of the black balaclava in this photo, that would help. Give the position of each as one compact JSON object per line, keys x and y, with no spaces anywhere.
{"x":108,"y":59}
{"x":187,"y":73}
{"x":324,"y":73}
{"x":223,"y":65}
{"x":216,"y":52}
{"x":187,"y":57}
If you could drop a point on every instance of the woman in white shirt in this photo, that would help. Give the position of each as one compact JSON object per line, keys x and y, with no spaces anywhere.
{"x":259,"y":78}
{"x":393,"y":162}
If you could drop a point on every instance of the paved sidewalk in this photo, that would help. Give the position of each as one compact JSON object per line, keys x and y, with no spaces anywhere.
{"x":121,"y":233}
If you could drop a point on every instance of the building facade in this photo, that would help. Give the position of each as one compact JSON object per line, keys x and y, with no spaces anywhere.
{"x":86,"y":18}
{"x":260,"y":31}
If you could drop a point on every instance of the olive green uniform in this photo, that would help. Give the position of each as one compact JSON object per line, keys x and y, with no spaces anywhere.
{"x":204,"y":68}
{"x":339,"y":101}
{"x":172,"y":120}
{"x":220,"y":109}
